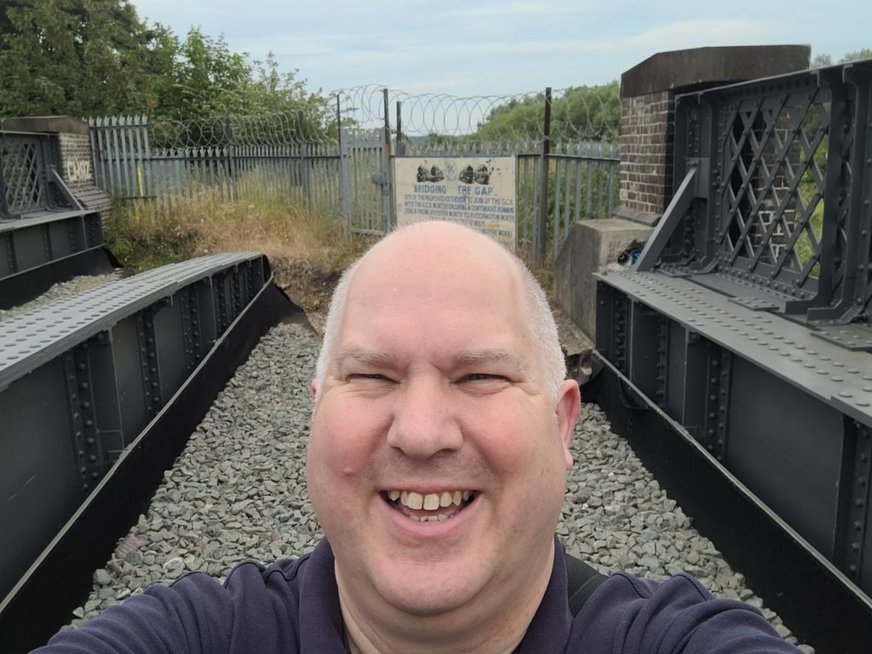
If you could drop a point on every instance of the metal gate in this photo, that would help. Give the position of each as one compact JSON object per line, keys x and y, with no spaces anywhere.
{"x":366,"y":180}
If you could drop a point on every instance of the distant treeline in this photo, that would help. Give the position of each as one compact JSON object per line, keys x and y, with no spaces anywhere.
{"x":97,"y":57}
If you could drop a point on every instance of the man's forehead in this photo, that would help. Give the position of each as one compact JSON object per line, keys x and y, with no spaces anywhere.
{"x":435,"y":244}
{"x":431,"y":258}
{"x":356,"y":354}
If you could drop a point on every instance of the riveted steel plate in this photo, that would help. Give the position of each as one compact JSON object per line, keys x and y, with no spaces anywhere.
{"x":840,"y":377}
{"x":755,"y":303}
{"x":29,"y":340}
{"x":852,"y":337}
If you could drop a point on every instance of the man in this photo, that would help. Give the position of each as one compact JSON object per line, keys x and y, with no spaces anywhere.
{"x":437,"y":460}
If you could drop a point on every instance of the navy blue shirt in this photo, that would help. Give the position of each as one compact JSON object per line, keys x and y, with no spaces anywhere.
{"x":293,"y":606}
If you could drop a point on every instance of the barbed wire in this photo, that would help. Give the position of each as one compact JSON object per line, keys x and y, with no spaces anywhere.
{"x":578,"y":113}
{"x":424,"y":120}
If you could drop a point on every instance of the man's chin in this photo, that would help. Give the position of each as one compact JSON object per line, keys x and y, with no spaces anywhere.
{"x":428,"y":594}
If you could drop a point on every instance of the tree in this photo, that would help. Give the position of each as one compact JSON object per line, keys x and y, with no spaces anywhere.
{"x":76,"y":57}
{"x":824,"y":59}
{"x":856,"y":55}
{"x":581,"y":113}
{"x":93,"y":57}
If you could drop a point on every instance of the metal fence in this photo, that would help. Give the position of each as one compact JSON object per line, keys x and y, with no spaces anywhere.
{"x":340,"y":165}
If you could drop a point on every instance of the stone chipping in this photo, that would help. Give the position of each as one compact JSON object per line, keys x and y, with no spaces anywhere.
{"x":62,"y":290}
{"x":238,"y":491}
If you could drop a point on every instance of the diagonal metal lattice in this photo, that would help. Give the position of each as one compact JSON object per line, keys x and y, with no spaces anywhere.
{"x":22,"y":168}
{"x":774,"y":196}
{"x":781,"y":215}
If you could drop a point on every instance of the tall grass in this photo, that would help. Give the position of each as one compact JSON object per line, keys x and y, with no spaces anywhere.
{"x":307,"y":251}
{"x":296,"y":241}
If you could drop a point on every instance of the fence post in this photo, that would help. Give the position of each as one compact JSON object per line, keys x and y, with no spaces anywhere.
{"x":344,"y":172}
{"x":401,"y":146}
{"x":4,"y":206}
{"x":540,"y":235}
{"x":230,"y":158}
{"x":307,"y":187}
{"x":386,"y":168}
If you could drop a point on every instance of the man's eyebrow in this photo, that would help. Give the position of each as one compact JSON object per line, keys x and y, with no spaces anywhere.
{"x":363,"y":356}
{"x":490,"y":355}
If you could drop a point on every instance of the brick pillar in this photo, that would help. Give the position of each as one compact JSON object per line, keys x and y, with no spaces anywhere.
{"x":648,"y":93}
{"x":647,"y":126}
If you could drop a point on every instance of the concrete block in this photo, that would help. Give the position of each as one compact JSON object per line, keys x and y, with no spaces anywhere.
{"x":591,"y":246}
{"x":711,"y":66}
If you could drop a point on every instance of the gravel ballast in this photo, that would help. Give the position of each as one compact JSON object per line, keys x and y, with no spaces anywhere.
{"x":62,"y":290}
{"x":238,"y":491}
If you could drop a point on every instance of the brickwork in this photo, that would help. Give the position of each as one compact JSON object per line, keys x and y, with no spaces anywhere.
{"x":76,"y":169}
{"x":647,"y":134}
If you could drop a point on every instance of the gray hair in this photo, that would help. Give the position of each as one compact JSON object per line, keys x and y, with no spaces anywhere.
{"x":540,"y":321}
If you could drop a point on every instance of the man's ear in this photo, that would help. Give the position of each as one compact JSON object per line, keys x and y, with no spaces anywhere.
{"x":313,"y":388}
{"x":567,"y":410}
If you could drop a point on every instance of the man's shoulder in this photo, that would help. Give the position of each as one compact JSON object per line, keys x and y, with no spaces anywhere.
{"x":255,"y":608}
{"x":253,"y":572}
{"x":678,"y":612}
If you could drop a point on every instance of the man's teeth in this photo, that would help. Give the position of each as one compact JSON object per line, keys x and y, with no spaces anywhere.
{"x":430,"y":501}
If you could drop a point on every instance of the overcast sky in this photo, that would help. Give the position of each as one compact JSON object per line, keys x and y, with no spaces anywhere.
{"x":485,"y":47}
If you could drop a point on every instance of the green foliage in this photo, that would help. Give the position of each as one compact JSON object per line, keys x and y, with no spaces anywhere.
{"x":93,"y":57}
{"x":587,"y":113}
{"x":515,"y":120}
{"x":142,"y":245}
{"x":582,"y":113}
{"x":824,"y":59}
{"x":73,"y":57}
{"x":856,"y":55}
{"x":202,"y":78}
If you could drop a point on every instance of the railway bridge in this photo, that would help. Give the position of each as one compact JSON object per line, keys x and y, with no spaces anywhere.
{"x":734,"y":352}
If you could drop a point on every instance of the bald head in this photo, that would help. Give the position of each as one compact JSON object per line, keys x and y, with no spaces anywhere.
{"x":434,"y":257}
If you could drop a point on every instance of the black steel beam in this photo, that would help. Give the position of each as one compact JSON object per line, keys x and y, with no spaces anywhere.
{"x":676,"y":210}
{"x":818,"y":602}
{"x":60,"y":579}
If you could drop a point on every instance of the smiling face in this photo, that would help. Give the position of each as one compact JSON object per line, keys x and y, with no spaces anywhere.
{"x":438,"y":454}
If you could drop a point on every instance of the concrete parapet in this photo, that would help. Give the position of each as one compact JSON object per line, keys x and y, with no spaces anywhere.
{"x":590,"y":247}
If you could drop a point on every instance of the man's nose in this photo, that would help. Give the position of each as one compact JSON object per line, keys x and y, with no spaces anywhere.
{"x":425,"y":421}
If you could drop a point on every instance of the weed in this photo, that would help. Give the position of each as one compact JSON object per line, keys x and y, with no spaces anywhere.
{"x":307,"y":251}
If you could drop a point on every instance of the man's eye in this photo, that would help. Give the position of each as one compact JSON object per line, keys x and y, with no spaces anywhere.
{"x":367,"y":376}
{"x":483,"y":376}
